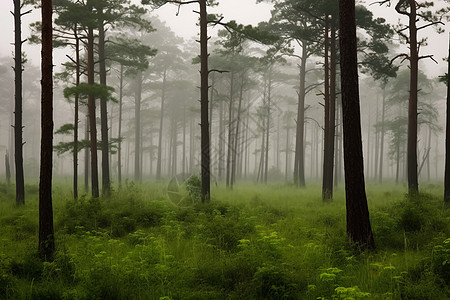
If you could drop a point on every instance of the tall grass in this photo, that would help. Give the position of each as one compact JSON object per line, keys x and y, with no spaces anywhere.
{"x":252,"y":242}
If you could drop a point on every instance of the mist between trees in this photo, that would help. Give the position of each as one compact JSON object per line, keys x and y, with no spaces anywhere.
{"x":153,"y":110}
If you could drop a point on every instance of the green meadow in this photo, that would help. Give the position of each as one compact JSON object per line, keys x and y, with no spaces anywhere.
{"x":253,"y":242}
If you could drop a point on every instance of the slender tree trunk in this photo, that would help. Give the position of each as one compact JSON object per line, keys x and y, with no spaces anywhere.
{"x":46,"y":236}
{"x":119,"y":134}
{"x":106,"y":182}
{"x":368,"y":144}
{"x":358,"y":223}
{"x":161,"y":122}
{"x":383,"y":112}
{"x":447,"y":137}
{"x":7,"y":169}
{"x":326,"y":192}
{"x":18,"y":127}
{"x":76,"y":118}
{"x":92,"y":118}
{"x":332,"y":103}
{"x":86,"y":156}
{"x":230,"y":130}
{"x":221,"y":141}
{"x":413,"y":183}
{"x":377,"y":145}
{"x":204,"y":72}
{"x":236,"y":136}
{"x":286,"y":171}
{"x":269,"y":98}
{"x":137,"y":127}
{"x":428,"y":153}
{"x":299,"y":159}
{"x":397,"y":170}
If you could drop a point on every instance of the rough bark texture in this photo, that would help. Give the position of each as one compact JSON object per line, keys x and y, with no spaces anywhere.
{"x":447,"y":138}
{"x":413,"y":183}
{"x":205,"y":146}
{"x":106,"y":182}
{"x":358,"y":222}
{"x":299,"y":159}
{"x":92,"y":118}
{"x":18,"y":69}
{"x":326,"y":192}
{"x":46,"y":237}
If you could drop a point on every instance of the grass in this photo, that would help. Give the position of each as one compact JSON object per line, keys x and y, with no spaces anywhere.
{"x":253,"y":242}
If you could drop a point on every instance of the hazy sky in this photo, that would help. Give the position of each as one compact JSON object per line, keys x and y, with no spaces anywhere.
{"x":244,"y":11}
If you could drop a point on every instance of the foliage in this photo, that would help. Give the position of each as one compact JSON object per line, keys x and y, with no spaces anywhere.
{"x":273,"y":242}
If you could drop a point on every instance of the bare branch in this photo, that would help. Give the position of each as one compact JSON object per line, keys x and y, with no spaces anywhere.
{"x":428,"y":56}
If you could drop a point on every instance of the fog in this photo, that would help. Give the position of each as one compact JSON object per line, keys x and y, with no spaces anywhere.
{"x":181,"y":130}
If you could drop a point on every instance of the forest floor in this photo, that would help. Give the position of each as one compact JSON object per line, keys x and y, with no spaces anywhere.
{"x":253,"y":242}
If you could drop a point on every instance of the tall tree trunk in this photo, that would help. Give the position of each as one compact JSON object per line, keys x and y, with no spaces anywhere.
{"x":286,"y":171}
{"x":7,"y":169}
{"x":92,"y":118}
{"x":413,"y":183}
{"x":106,"y":182}
{"x":183,"y":160}
{"x":332,"y":103}
{"x":137,"y":126}
{"x":204,"y":72}
{"x":326,"y":192}
{"x":236,"y":136}
{"x":377,"y":145}
{"x":269,"y":98}
{"x":76,"y":118}
{"x":230,"y":130}
{"x":221,"y":141}
{"x":358,"y":222}
{"x":397,"y":169}
{"x":299,"y":159}
{"x":447,"y":137}
{"x":161,"y":122}
{"x":383,"y":112}
{"x":46,"y":237}
{"x":119,"y":134}
{"x":18,"y":70}
{"x":86,"y":156}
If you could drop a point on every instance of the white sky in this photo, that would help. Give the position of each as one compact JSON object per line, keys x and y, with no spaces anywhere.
{"x":244,"y":11}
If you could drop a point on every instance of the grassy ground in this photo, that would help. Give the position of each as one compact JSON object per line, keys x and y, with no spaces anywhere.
{"x":254,"y":242}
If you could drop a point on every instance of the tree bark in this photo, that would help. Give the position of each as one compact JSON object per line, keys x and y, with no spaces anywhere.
{"x":106,"y":182}
{"x":383,"y":112}
{"x":269,"y":98}
{"x":358,"y":222}
{"x":299,"y":159}
{"x":7,"y":169}
{"x":326,"y":192}
{"x":86,"y":155}
{"x":204,"y":72}
{"x":119,"y":146}
{"x":447,"y":137}
{"x":76,"y":117}
{"x":161,"y":123}
{"x":46,"y":236}
{"x":230,"y":130}
{"x":413,"y":183}
{"x":137,"y":126}
{"x":92,"y":118}
{"x":18,"y":127}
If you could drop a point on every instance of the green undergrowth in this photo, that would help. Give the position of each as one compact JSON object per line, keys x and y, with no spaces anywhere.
{"x":252,"y":242}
